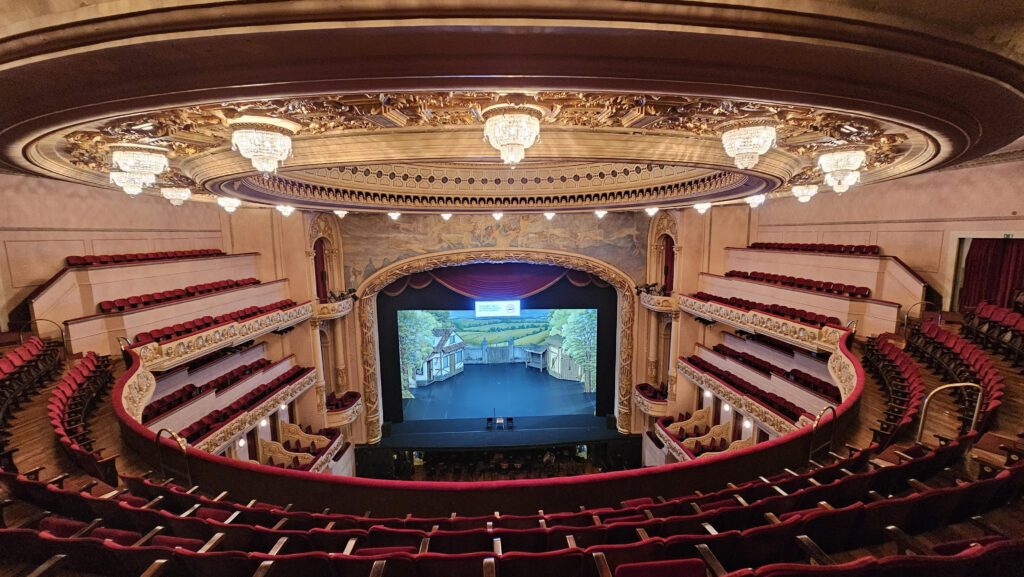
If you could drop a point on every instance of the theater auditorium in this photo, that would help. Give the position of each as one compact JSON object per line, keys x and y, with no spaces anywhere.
{"x":466,"y":288}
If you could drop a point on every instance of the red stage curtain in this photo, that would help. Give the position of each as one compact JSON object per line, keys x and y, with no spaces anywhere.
{"x":993,"y":270}
{"x":493,"y":281}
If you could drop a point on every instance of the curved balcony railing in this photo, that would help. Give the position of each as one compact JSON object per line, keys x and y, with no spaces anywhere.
{"x":658,"y":304}
{"x":343,"y":416}
{"x":648,"y":402}
{"x":327,"y":310}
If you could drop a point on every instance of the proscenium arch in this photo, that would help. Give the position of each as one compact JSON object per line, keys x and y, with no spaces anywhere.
{"x":369,"y":350}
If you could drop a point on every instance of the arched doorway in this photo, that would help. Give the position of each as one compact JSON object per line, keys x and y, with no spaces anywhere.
{"x":320,"y":269}
{"x":668,"y":268}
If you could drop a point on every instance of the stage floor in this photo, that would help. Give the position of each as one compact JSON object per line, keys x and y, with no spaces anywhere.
{"x":502,"y":389}
{"x":473,"y":434}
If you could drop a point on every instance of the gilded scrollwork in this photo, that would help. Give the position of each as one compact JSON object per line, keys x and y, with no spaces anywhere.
{"x":805,"y":336}
{"x":340,"y":418}
{"x":656,"y":303}
{"x":333,"y":310}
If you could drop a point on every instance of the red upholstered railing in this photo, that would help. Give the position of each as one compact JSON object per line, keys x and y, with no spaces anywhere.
{"x":247,"y":480}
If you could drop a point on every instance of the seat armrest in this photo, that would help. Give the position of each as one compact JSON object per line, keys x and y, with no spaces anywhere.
{"x":714,"y":566}
{"x":813,"y":551}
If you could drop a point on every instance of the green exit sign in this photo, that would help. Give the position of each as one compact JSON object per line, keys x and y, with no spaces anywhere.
{"x":1007,"y":236}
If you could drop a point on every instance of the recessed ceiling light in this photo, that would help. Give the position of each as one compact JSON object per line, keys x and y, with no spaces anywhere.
{"x":702,"y":207}
{"x":549,"y":215}
{"x":600,"y":213}
{"x":497,"y":215}
{"x":651,"y":211}
{"x":446,"y":215}
{"x":341,"y":213}
{"x":394,"y":215}
{"x":285,"y":210}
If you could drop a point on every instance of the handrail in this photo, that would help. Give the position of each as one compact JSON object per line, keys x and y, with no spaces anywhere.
{"x":928,"y":399}
{"x":63,"y":340}
{"x":814,"y":429}
{"x":906,"y":317}
{"x":182,"y":444}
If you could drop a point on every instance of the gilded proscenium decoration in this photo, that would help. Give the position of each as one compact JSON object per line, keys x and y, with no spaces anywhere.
{"x":799,"y":334}
{"x":624,"y":288}
{"x":226,"y":434}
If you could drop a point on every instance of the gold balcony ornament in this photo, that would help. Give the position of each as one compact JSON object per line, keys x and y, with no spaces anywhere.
{"x":139,"y":158}
{"x":228,"y":204}
{"x":176,"y":196}
{"x":842,"y":167}
{"x":745,"y":140}
{"x":131,"y":182}
{"x":804,"y":192}
{"x":511,"y":129}
{"x":265,"y":141}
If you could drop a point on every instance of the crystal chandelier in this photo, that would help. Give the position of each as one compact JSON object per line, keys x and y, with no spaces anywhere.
{"x":842,"y":167}
{"x":139,"y":158}
{"x":746,"y":140}
{"x":265,"y":141}
{"x":702,"y":207}
{"x":804,"y":192}
{"x":229,"y":204}
{"x":755,"y":200}
{"x":285,"y":210}
{"x":511,"y":129}
{"x":176,"y":196}
{"x":132,"y":182}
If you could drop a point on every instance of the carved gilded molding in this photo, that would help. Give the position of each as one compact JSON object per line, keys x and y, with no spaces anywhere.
{"x":222,"y":437}
{"x":793,"y":332}
{"x":650,"y":406}
{"x":345,"y":416}
{"x":163,"y":356}
{"x":333,"y":310}
{"x":137,"y":392}
{"x":293,"y":432}
{"x":664,"y":224}
{"x":273,"y":450}
{"x":658,"y":304}
{"x":624,"y":288}
{"x":323,"y":462}
{"x":672,"y":445}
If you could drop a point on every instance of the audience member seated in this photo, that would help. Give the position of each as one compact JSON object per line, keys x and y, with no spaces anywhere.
{"x":806,"y":317}
{"x":110,"y":259}
{"x":857,"y":249}
{"x":150,"y":299}
{"x":205,"y":323}
{"x":802,"y":283}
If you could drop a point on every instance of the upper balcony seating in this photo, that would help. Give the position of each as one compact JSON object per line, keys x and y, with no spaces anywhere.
{"x":208,"y":322}
{"x":900,"y":381}
{"x":651,"y":392}
{"x":802,"y":283}
{"x":961,"y":361}
{"x":749,"y":525}
{"x":150,"y":299}
{"x":219,"y":417}
{"x":805,"y":380}
{"x":787,"y":409}
{"x":181,"y":396}
{"x":806,"y":317}
{"x":859,"y":249}
{"x":71,"y":402}
{"x":23,"y":371}
{"x":998,"y":329}
{"x":113,"y":259}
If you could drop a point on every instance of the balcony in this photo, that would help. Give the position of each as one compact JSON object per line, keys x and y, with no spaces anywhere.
{"x":325,"y":311}
{"x":649,"y":402}
{"x":341,"y":416}
{"x":658,"y":304}
{"x":169,"y":354}
{"x":672,"y":444}
{"x":789,"y":331}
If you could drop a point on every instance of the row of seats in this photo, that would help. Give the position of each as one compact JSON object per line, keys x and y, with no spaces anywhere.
{"x":738,"y":532}
{"x":108,"y":259}
{"x":838,"y":288}
{"x":800,"y":315}
{"x":190,"y":391}
{"x":900,"y":379}
{"x":780,"y":405}
{"x":998,"y":329}
{"x":150,"y":299}
{"x":71,"y":403}
{"x":219,"y":417}
{"x":344,"y":402}
{"x":649,"y":391}
{"x":207,"y":322}
{"x":796,"y":376}
{"x":961,"y":361}
{"x":23,"y":371}
{"x":868,"y":249}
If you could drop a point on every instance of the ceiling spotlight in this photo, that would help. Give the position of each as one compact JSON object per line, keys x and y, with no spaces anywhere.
{"x":600,"y":213}
{"x":842,"y":167}
{"x":285,"y":210}
{"x":651,"y":211}
{"x":131,"y":182}
{"x":241,"y":442}
{"x":176,"y":196}
{"x":341,"y":213}
{"x":755,"y":200}
{"x":446,"y":215}
{"x":139,"y":158}
{"x":747,"y":139}
{"x":702,"y":207}
{"x":394,"y":215}
{"x":264,"y":140}
{"x":497,"y":215}
{"x":229,"y":204}
{"x":803,"y":193}
{"x":549,"y":215}
{"x":511,"y":129}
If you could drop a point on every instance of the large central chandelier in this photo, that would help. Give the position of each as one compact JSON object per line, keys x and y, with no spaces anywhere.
{"x":265,"y":141}
{"x":747,"y":139}
{"x":511,"y":129}
{"x":842,"y":167}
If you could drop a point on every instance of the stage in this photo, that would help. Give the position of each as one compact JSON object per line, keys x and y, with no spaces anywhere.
{"x":473,"y":434}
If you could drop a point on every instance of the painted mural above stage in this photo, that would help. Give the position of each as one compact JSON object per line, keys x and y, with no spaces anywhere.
{"x":373,"y":241}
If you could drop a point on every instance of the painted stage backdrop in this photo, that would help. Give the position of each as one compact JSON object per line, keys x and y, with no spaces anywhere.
{"x":373,"y":241}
